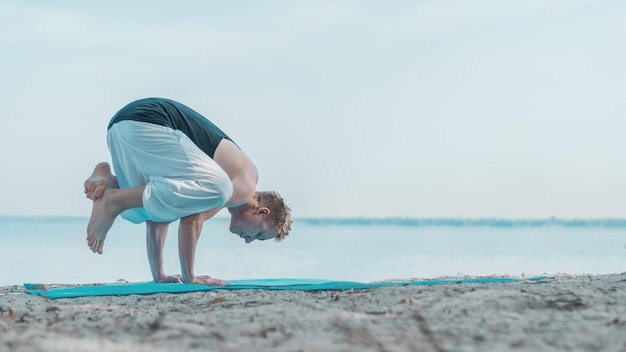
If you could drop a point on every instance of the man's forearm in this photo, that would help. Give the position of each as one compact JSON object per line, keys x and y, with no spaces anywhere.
{"x":188,"y":234}
{"x":156,"y":233}
{"x":189,"y":231}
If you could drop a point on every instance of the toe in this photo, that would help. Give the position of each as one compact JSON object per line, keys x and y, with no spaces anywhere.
{"x":93,"y":244}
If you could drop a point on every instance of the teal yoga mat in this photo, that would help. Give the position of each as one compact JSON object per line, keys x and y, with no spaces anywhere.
{"x":147,"y":288}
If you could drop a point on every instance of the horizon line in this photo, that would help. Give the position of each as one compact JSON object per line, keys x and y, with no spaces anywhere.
{"x":356,"y":217}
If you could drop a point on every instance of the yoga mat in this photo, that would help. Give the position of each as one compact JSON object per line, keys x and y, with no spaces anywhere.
{"x":147,"y":288}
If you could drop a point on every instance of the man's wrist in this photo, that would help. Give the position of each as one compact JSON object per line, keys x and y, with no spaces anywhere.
{"x":188,"y":278}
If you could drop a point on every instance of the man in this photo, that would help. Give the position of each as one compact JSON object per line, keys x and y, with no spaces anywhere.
{"x":171,"y":163}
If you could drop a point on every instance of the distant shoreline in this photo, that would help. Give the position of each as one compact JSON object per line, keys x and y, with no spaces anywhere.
{"x":468,"y":222}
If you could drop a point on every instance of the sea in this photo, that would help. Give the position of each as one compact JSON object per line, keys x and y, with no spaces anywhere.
{"x":54,"y":250}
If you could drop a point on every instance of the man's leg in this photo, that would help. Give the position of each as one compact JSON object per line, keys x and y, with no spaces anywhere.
{"x":106,"y":208}
{"x":101,"y":178}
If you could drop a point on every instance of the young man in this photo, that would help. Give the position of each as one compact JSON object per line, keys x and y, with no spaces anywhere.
{"x":171,"y":163}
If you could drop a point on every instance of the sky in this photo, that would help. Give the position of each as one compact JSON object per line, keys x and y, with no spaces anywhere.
{"x":357,"y":108}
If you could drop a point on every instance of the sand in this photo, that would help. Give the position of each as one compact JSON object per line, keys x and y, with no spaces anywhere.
{"x":570,"y":313}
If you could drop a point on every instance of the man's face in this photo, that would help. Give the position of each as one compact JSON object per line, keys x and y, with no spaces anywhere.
{"x":250,"y":226}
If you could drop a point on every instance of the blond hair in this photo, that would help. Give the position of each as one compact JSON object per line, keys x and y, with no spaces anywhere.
{"x":280,"y":213}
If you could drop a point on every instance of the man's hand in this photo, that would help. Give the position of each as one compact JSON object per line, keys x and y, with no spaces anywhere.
{"x":162,"y":279}
{"x":207,"y":280}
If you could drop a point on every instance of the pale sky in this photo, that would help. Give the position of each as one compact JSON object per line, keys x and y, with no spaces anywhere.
{"x":508,"y":109}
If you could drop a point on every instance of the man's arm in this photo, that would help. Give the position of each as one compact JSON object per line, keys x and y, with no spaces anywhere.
{"x":188,"y":233}
{"x":156,"y":232}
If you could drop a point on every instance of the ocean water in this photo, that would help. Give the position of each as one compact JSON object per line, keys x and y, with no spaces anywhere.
{"x":54,"y":250}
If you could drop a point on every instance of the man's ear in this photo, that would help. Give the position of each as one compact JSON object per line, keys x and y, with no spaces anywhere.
{"x":263,"y":211}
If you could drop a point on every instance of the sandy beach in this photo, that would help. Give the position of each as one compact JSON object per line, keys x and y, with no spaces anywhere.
{"x":569,"y":313}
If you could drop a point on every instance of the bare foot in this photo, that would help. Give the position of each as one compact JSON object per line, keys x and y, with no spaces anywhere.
{"x":100,"y":179}
{"x":103,"y":215}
